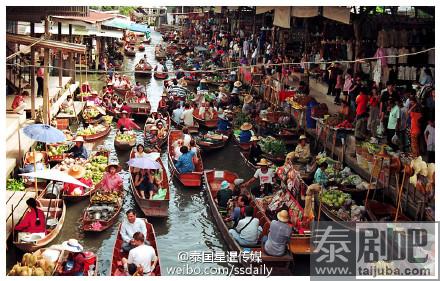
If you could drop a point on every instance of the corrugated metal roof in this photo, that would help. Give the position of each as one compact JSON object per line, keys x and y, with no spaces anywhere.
{"x":93,"y":17}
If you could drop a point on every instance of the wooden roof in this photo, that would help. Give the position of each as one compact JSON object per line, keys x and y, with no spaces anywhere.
{"x":50,"y":44}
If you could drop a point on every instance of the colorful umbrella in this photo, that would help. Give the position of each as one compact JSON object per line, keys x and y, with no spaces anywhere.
{"x":54,"y":175}
{"x":44,"y":133}
{"x":143,"y":163}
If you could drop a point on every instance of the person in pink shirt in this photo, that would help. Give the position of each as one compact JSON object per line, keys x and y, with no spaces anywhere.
{"x":111,"y":180}
{"x":126,"y":122}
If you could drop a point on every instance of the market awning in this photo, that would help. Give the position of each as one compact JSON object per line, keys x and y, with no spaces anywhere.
{"x":45,"y":43}
{"x":125,"y":24}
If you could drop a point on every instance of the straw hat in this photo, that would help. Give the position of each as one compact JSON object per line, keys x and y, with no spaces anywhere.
{"x":72,"y":245}
{"x":110,"y":84}
{"x":101,"y":110}
{"x":246,"y":126}
{"x":248,"y":99}
{"x":76,"y":171}
{"x":164,"y":94}
{"x":124,"y":112}
{"x":38,"y":157}
{"x":224,"y":185}
{"x":203,"y":80}
{"x":237,"y":84}
{"x":78,"y":139}
{"x":283,"y":216}
{"x":255,"y":138}
{"x":86,"y":83}
{"x":183,"y":83}
{"x":263,"y":162}
{"x":116,"y":165}
{"x":153,"y":128}
{"x":302,"y":137}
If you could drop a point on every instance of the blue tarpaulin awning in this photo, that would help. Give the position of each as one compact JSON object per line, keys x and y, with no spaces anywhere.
{"x":126,"y":24}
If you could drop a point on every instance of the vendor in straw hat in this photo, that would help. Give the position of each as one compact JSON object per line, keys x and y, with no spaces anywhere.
{"x":203,"y":86}
{"x":78,"y":150}
{"x":245,"y":134}
{"x":162,"y":106}
{"x":111,"y":181}
{"x":302,"y":150}
{"x":265,"y":176}
{"x":77,"y":172}
{"x":275,"y":243}
{"x":247,"y":105}
{"x":152,"y":138}
{"x":255,"y":152}
{"x":223,"y":97}
{"x":74,"y":265}
{"x":126,"y":122}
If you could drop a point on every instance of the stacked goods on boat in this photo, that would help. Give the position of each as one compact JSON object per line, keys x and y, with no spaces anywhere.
{"x":40,"y":263}
{"x":90,"y":112}
{"x":57,"y":151}
{"x":341,"y":205}
{"x":103,"y":206}
{"x":95,"y":166}
{"x":125,"y":138}
{"x":91,"y":130}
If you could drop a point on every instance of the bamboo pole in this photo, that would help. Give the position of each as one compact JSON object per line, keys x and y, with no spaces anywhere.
{"x":400,"y":196}
{"x":35,"y":170}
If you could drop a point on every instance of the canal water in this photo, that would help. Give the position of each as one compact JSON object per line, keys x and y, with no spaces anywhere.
{"x":189,"y":226}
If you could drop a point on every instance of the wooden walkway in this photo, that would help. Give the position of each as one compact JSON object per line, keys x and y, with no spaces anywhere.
{"x":17,"y":201}
{"x":78,"y":108}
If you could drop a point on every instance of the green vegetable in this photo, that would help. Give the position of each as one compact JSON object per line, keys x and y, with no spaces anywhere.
{"x":273,"y":146}
{"x":15,"y":185}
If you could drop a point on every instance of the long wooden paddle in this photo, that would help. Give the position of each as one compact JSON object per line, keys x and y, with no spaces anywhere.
{"x":399,"y":198}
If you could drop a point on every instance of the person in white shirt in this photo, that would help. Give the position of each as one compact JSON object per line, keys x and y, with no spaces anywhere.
{"x":176,"y":148}
{"x":130,"y":227}
{"x":186,"y":137}
{"x":248,"y":229}
{"x":141,"y":255}
{"x":266,"y":178}
{"x":187,"y":116}
{"x":177,"y":113}
{"x":140,"y":151}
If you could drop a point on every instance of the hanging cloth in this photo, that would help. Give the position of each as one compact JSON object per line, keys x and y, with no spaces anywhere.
{"x":282,"y":17}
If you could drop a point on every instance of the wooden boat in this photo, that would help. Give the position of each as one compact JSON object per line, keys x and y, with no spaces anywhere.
{"x":94,"y":137}
{"x":192,"y":129}
{"x":193,"y":179}
{"x":153,"y":208}
{"x":140,"y":109}
{"x":206,"y":145}
{"x":159,"y":53}
{"x":288,"y":136}
{"x":209,"y":124}
{"x":160,"y":75}
{"x":143,"y":71}
{"x":129,"y":51}
{"x":88,"y":223}
{"x":57,"y":211}
{"x":244,"y":146}
{"x":192,"y":82}
{"x":213,"y":181}
{"x":124,"y":146}
{"x":122,"y":91}
{"x":116,"y":265}
{"x":274,"y":159}
{"x":245,"y":155}
{"x":141,"y":48}
{"x":76,"y":198}
{"x":161,"y":142}
{"x":378,"y":211}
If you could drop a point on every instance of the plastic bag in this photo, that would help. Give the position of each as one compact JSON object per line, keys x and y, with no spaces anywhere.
{"x":380,"y":129}
{"x":161,"y":193}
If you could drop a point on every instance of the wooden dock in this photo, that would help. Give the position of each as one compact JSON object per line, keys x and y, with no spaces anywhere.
{"x":78,"y":108}
{"x":16,"y":200}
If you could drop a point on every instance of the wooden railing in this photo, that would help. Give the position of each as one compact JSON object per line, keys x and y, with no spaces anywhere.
{"x":16,"y":72}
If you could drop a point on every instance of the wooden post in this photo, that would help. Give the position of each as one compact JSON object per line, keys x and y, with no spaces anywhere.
{"x":60,"y":58}
{"x":32,"y":74}
{"x":46,"y":77}
{"x":72,"y":67}
{"x":70,"y":33}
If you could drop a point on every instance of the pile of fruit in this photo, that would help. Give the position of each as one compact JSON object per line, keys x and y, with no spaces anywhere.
{"x":333,"y":121}
{"x":345,"y":125}
{"x":91,"y":130}
{"x":15,"y":185}
{"x":95,"y":168}
{"x":352,"y":180}
{"x":34,"y":264}
{"x":351,"y":212}
{"x":105,"y":198}
{"x":86,"y":94}
{"x":90,"y":112}
{"x":55,"y":150}
{"x":107,"y":119}
{"x":69,"y":162}
{"x":335,"y":198}
{"x":125,"y":138}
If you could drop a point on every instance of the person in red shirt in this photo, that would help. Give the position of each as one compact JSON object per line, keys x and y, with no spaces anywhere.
{"x":33,"y":221}
{"x":76,"y":260}
{"x":19,"y":103}
{"x":126,"y":122}
{"x":360,"y":131}
{"x":40,"y":80}
{"x":373,"y":119}
{"x":416,"y":115}
{"x":78,"y":173}
{"x":125,"y":107}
